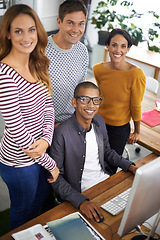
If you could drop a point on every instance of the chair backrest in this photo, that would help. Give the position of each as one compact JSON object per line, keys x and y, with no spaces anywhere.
{"x":152,"y":84}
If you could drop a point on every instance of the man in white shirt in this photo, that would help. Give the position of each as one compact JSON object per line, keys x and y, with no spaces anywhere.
{"x":82,"y":152}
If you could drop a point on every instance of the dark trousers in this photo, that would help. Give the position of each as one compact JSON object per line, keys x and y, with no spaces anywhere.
{"x":118,"y":136}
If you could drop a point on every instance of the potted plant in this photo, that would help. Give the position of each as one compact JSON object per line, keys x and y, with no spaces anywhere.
{"x":128,"y":24}
{"x":105,"y":19}
{"x":153,"y":33}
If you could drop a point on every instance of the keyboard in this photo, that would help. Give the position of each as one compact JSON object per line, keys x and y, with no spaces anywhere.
{"x":117,"y":204}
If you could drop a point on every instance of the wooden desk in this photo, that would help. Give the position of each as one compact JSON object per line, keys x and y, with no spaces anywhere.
{"x":147,"y":57}
{"x":98,"y":194}
{"x":150,"y":136}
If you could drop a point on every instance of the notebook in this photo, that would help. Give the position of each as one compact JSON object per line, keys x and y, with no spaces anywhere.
{"x":151,"y":118}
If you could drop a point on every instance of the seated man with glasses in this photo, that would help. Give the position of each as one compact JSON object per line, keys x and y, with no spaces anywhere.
{"x":82,"y":152}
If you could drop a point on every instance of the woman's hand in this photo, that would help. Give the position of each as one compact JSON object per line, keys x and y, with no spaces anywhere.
{"x":54,"y":175}
{"x":37,"y":149}
{"x":133,"y":138}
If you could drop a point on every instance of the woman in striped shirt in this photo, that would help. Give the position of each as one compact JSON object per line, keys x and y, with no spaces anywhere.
{"x":26,"y":106}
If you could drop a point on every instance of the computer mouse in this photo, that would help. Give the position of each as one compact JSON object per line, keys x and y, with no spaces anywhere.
{"x":100,"y":219}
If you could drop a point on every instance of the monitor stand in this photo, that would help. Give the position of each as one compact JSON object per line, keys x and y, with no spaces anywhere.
{"x":153,"y":229}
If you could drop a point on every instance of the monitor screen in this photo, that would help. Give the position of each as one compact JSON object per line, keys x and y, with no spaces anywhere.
{"x":144,"y":197}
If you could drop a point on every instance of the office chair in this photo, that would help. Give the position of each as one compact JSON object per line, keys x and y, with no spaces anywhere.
{"x":152,"y":84}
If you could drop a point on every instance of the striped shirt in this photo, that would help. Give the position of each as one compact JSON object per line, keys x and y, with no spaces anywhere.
{"x":28,"y":112}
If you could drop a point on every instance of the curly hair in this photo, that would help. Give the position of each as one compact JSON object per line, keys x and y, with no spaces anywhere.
{"x":38,"y":61}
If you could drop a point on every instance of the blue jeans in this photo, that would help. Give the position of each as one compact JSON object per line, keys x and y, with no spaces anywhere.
{"x":28,"y":189}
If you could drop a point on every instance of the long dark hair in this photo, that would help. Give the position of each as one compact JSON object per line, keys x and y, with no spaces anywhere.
{"x":119,"y":31}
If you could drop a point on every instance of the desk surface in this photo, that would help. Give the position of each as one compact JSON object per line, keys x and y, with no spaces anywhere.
{"x":145,"y":56}
{"x":99,"y":194}
{"x":150,"y":136}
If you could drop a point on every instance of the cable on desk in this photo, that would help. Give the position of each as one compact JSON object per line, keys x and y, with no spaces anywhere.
{"x":110,"y":229}
{"x":148,"y":224}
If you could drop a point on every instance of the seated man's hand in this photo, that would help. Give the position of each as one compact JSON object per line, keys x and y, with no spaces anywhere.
{"x":89,"y":209}
{"x":132,"y":168}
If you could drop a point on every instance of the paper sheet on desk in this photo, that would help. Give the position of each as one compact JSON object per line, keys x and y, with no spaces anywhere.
{"x":151,"y":118}
{"x":33,"y":233}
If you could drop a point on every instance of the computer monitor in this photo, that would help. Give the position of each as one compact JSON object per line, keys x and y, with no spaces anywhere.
{"x":144,"y":197}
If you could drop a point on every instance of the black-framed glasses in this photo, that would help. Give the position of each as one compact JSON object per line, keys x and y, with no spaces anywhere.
{"x":85,"y":100}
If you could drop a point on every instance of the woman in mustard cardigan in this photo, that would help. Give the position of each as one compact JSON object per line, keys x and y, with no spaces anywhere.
{"x":122,"y":87}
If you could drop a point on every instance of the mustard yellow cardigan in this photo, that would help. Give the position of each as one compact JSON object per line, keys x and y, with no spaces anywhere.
{"x":122,"y":93}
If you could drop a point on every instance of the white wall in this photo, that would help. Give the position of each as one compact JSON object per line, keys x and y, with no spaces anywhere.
{"x":47,"y":11}
{"x":27,"y":2}
{"x":91,"y":32}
